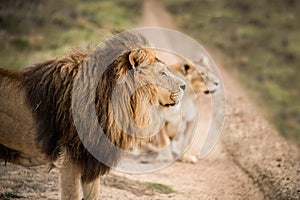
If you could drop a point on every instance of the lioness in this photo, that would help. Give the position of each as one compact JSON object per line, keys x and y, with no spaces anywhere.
{"x":180,"y":124}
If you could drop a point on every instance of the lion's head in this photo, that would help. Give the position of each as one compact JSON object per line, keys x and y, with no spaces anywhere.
{"x":199,"y":75}
{"x":150,"y":72}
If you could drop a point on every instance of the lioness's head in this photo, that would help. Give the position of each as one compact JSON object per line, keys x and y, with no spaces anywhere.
{"x":199,"y":75}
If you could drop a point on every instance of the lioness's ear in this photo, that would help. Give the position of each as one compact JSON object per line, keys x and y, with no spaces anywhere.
{"x":204,"y":60}
{"x":186,"y":68}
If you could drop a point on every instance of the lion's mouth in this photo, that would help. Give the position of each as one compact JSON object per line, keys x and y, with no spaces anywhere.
{"x":175,"y":100}
{"x":169,"y":104}
{"x":173,"y":103}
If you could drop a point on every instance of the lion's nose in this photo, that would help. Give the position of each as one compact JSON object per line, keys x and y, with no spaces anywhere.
{"x":182,"y":87}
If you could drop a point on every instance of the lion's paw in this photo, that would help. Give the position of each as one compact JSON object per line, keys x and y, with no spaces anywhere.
{"x":165,"y":155}
{"x":187,"y":158}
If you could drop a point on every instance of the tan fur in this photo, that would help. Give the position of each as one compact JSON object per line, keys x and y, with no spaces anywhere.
{"x":16,"y":117}
{"x":37,"y":107}
{"x":180,"y":124}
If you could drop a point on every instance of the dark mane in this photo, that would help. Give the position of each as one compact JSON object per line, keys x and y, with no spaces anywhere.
{"x":9,"y":74}
{"x":49,"y":87}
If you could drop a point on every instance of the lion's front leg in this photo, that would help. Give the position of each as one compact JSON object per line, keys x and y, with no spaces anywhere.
{"x":91,"y":191}
{"x":189,"y":135}
{"x":70,"y":176}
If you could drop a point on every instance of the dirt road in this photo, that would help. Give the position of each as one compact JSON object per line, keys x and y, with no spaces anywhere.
{"x":250,"y":161}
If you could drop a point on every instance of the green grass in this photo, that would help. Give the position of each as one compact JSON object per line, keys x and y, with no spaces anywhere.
{"x":260,"y":42}
{"x":138,"y":188}
{"x":9,"y":195}
{"x":157,"y":187}
{"x":33,"y":31}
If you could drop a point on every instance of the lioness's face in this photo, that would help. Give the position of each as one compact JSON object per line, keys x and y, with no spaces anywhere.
{"x":201,"y":78}
{"x":151,"y":71}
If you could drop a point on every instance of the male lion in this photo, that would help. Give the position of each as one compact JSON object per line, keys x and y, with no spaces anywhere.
{"x":46,"y":110}
{"x":179,"y":128}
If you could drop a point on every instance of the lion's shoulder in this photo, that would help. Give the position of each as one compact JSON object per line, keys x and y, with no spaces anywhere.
{"x":12,"y":75}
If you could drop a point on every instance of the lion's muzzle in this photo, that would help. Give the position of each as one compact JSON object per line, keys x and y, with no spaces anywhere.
{"x":176,"y":96}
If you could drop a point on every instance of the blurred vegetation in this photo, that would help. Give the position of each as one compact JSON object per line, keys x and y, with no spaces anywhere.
{"x":9,"y":195}
{"x":157,"y":187}
{"x":36,"y":30}
{"x":260,"y":41}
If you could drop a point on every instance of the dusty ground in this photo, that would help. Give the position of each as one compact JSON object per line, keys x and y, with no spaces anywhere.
{"x":250,"y":161}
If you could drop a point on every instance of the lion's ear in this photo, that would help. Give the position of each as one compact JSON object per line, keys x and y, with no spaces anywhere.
{"x":137,"y":57}
{"x":133,"y":59}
